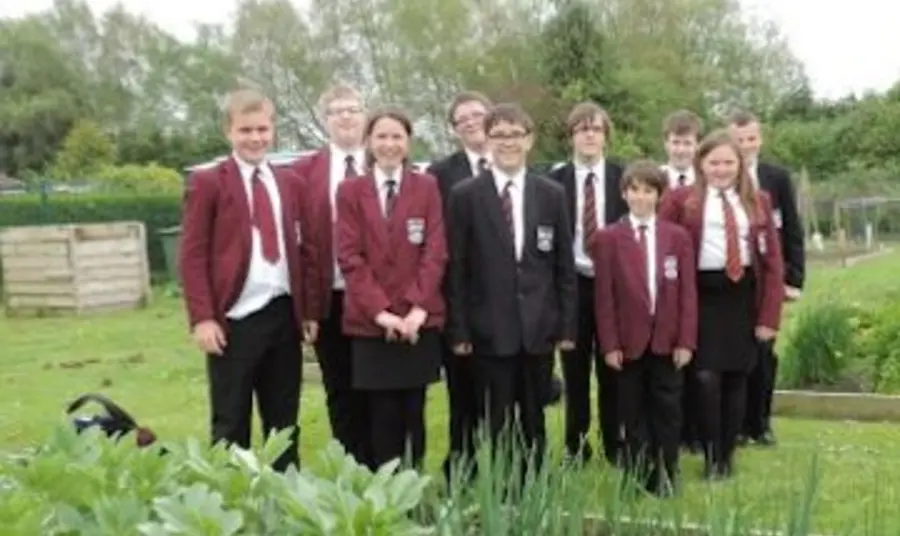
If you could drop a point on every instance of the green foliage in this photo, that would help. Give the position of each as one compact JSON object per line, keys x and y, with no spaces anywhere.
{"x":156,"y":211}
{"x":85,"y":150}
{"x":835,"y":345}
{"x":820,"y":344}
{"x":135,"y":179}
{"x":89,"y":484}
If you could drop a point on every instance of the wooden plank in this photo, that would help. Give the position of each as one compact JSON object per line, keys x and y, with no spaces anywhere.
{"x":39,"y":289}
{"x":34,"y":263}
{"x":38,"y":275}
{"x":868,"y":407}
{"x":38,"y":312}
{"x":36,"y":233}
{"x":34,"y":249}
{"x":114,"y":273}
{"x":107,"y":231}
{"x":106,"y":247}
{"x":145,"y":265}
{"x":103,"y":287}
{"x":109,"y":261}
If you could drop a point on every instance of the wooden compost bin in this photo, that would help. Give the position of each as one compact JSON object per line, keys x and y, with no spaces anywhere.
{"x":75,"y":268}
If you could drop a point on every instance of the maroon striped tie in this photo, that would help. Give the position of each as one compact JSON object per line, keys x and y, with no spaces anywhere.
{"x":506,"y":199}
{"x":264,"y":219}
{"x":734,"y":268}
{"x":589,"y":212}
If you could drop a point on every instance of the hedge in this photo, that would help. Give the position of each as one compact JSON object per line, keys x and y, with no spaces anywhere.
{"x":156,"y":211}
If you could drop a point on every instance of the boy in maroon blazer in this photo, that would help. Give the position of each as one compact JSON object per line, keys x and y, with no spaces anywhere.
{"x":646,"y":310}
{"x":241,"y":264}
{"x":341,"y":159}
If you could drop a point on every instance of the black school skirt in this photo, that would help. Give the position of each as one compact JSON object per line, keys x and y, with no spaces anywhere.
{"x":382,"y":365}
{"x":726,"y":340}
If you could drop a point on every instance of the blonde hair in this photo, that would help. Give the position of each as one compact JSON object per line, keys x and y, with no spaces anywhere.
{"x":245,"y":101}
{"x":339,"y":91}
{"x":586,"y":113}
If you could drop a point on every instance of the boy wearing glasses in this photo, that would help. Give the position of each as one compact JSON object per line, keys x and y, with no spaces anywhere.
{"x":593,"y":199}
{"x":512,"y":279}
{"x":344,"y":116}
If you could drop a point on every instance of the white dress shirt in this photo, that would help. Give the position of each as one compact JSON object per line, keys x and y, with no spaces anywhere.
{"x":583,"y":264}
{"x":381,"y":186}
{"x":673,"y":173}
{"x":265,"y":281}
{"x":650,"y":236}
{"x":713,"y":244}
{"x":517,"y":194}
{"x":336,"y":175}
{"x":474,"y":157}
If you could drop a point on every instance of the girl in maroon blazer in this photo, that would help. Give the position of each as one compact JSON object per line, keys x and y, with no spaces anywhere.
{"x":739,"y":286}
{"x":392,"y":253}
{"x":646,"y":311}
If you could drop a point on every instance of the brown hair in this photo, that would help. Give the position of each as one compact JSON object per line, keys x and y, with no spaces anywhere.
{"x":587,"y":113}
{"x":742,"y":118}
{"x":744,"y":184}
{"x":508,"y":113}
{"x":386,"y":113}
{"x":644,"y":172}
{"x":245,"y":101}
{"x":682,"y":123}
{"x":340,"y":91}
{"x":464,"y":97}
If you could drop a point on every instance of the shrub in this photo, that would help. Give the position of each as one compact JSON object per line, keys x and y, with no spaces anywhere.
{"x":880,"y":344}
{"x":151,"y":179}
{"x":820,"y":346}
{"x":156,"y":211}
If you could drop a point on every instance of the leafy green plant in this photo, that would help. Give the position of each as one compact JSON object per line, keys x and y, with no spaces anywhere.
{"x":820,"y":344}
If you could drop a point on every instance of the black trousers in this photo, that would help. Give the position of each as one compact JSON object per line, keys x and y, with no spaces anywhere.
{"x":577,"y":375}
{"x":397,"y":426}
{"x":690,"y":435}
{"x":722,"y":397}
{"x":760,"y":392}
{"x":649,"y":396}
{"x":462,"y":392}
{"x":347,"y":407}
{"x":512,"y":392}
{"x":262,"y":356}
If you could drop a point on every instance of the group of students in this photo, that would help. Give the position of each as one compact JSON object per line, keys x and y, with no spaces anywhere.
{"x":668,"y":281}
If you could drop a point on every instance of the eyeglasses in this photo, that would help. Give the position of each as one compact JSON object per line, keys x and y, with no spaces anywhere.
{"x":507,"y":136}
{"x":350,"y":110}
{"x":471,"y":118}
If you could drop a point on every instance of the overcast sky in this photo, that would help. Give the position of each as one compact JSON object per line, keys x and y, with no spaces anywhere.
{"x":846,"y":46}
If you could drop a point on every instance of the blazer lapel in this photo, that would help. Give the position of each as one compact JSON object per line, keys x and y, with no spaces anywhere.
{"x":662,"y":251}
{"x":494,"y":208}
{"x":531,"y":210}
{"x":611,"y":193}
{"x":405,"y":192}
{"x":233,"y":185}
{"x":321,"y":177}
{"x":370,"y":204}
{"x":635,"y":257}
{"x":568,"y":179}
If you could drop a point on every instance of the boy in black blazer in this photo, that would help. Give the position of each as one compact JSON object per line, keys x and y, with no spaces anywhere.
{"x":776,"y":181}
{"x":512,"y":278}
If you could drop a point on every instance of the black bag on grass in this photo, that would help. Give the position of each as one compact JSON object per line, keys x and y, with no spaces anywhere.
{"x":115,"y":422}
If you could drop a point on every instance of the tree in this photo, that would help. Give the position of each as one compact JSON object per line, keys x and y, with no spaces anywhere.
{"x":85,"y":150}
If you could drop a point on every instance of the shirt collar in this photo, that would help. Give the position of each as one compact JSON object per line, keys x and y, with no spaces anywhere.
{"x":501,"y":178}
{"x":597,"y":169}
{"x":475,"y":157}
{"x":246,"y":168}
{"x":340,"y":155}
{"x":636,"y":222}
{"x":381,"y":178}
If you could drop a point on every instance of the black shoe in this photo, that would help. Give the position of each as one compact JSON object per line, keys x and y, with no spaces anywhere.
{"x":717,"y":471}
{"x":742,"y":440}
{"x":766,"y":439}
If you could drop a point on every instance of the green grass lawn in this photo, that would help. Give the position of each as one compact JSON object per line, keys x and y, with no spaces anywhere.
{"x":145,"y":360}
